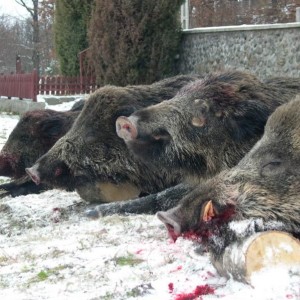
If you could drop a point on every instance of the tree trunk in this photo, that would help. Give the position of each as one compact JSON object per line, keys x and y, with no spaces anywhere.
{"x":36,"y":37}
{"x":34,"y":12}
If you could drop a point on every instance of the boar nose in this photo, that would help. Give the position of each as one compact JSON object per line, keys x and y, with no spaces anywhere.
{"x":126,"y":129}
{"x":34,"y":174}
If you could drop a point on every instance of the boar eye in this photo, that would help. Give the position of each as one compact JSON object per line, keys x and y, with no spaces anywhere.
{"x":201,"y":106}
{"x":272,"y":167}
{"x":90,"y":137}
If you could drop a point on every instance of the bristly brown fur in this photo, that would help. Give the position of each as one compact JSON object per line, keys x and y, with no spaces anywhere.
{"x":91,"y":153}
{"x":263,"y":190}
{"x":210,"y":124}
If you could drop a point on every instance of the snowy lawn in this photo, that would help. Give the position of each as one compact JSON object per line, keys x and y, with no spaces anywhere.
{"x":50,"y":250}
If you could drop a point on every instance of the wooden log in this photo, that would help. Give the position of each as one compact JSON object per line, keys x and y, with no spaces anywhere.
{"x":262,"y":250}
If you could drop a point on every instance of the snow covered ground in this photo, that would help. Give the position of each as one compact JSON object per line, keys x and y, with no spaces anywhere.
{"x":50,"y":250}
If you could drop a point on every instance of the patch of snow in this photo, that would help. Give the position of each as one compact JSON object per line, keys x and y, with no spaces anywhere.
{"x":50,"y":250}
{"x":63,"y":106}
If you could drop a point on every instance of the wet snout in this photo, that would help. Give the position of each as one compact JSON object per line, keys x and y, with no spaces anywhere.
{"x":34,"y":174}
{"x":126,"y":128}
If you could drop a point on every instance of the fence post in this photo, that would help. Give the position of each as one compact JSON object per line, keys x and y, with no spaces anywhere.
{"x":18,"y":64}
{"x":297,"y":14}
{"x":35,"y":85}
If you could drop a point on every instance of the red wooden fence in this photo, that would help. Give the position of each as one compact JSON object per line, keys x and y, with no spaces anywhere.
{"x":29,"y":85}
{"x":62,"y":85}
{"x":19,"y":85}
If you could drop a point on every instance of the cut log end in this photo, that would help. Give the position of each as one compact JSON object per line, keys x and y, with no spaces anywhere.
{"x":270,"y":249}
{"x":262,"y":250}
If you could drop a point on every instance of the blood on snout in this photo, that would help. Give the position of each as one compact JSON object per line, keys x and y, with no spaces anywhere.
{"x":172,"y":234}
{"x":209,"y":227}
{"x":206,"y":227}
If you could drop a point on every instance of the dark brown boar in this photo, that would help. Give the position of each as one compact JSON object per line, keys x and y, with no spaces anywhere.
{"x":261,"y":193}
{"x":208,"y":126}
{"x":36,"y":132}
{"x":94,"y":160}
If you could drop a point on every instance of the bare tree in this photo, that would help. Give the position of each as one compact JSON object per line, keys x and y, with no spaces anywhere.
{"x":15,"y":39}
{"x":32,"y":6}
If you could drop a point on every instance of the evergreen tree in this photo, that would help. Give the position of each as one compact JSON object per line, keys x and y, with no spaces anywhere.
{"x":134,"y":41}
{"x":70,"y":32}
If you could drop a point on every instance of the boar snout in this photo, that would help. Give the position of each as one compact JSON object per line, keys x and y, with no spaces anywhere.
{"x":126,"y":129}
{"x":34,"y":174}
{"x":172,"y":223}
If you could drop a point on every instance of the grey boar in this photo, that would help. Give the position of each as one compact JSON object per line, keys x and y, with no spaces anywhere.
{"x":92,"y":159}
{"x":35,"y":133}
{"x":262,"y":192}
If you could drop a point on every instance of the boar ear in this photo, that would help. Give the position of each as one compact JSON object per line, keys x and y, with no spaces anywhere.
{"x":247,"y":120}
{"x":169,"y":218}
{"x":51,"y":127}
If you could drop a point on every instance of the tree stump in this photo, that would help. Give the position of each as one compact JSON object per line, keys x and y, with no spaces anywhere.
{"x":264,"y":249}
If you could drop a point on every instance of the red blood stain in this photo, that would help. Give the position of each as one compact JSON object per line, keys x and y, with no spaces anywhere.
{"x":206,"y":229}
{"x":177,"y":269}
{"x":172,"y":234}
{"x":56,"y":217}
{"x":171,"y":287}
{"x":200,"y":290}
{"x":191,"y":235}
{"x":210,"y":274}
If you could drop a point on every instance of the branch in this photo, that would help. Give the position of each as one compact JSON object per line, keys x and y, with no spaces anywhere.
{"x":29,"y":9}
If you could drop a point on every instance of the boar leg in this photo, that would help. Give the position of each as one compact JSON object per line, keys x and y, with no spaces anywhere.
{"x":21,"y":187}
{"x":145,"y":205}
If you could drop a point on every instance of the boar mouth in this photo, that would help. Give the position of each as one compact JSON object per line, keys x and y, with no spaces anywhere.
{"x":158,"y":137}
{"x":161,"y":135}
{"x":172,"y":232}
{"x":34,"y":174}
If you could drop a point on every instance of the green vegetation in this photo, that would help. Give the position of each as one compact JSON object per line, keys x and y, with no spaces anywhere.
{"x":134,"y":42}
{"x":43,"y":275}
{"x":70,"y":32}
{"x":129,"y":260}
